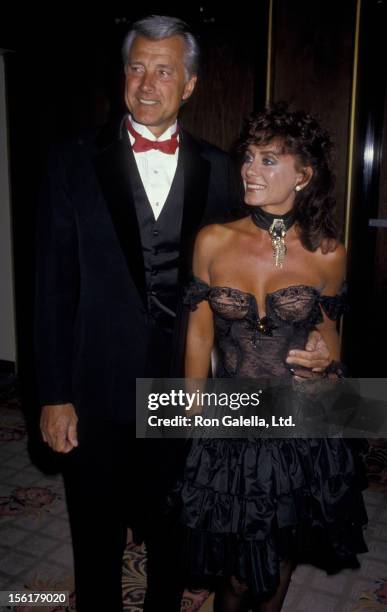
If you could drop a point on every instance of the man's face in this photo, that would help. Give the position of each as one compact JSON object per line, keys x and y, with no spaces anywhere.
{"x":156,"y":82}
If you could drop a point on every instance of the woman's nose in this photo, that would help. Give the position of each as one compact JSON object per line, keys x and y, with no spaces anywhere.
{"x":252,"y":168}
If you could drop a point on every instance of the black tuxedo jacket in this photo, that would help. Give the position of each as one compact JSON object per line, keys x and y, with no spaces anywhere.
{"x":92,"y":325}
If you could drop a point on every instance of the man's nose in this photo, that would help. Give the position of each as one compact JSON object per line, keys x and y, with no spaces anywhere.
{"x":147,"y":82}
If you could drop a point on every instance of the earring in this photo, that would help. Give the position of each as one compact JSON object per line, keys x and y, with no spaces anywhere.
{"x":298,"y":188}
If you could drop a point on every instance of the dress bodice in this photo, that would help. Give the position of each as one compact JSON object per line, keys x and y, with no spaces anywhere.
{"x":250,"y":345}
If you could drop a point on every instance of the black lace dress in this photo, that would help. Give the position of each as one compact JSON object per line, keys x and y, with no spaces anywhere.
{"x":248,"y":503}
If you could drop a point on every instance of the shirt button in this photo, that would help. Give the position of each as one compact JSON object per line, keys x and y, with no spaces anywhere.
{"x":154,"y":273}
{"x":155,"y":171}
{"x":155,"y":232}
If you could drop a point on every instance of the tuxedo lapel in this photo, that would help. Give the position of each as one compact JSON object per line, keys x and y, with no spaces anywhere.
{"x":196,"y":185}
{"x":113,"y":162}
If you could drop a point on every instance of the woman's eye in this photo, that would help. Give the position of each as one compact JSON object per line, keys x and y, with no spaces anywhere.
{"x":268,"y":161}
{"x":247,"y":159}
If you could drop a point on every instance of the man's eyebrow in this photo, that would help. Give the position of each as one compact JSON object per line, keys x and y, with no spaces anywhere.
{"x":169,"y":66}
{"x":163,"y":66}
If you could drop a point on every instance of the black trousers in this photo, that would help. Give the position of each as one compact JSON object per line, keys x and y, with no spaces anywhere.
{"x":113,"y":480}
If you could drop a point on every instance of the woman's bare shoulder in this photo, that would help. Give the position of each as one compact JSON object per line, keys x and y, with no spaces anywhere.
{"x":214,"y":235}
{"x":334,"y":257}
{"x":333,"y":266}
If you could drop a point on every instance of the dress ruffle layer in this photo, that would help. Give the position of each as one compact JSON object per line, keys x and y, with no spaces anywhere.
{"x":246,"y":504}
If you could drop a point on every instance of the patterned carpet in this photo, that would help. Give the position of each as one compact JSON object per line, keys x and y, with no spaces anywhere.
{"x":35,"y":547}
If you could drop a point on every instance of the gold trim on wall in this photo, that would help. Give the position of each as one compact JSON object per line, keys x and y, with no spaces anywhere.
{"x":351,"y":139}
{"x":269,"y":54}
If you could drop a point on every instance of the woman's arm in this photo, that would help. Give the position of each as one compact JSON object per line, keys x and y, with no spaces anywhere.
{"x":200,"y":338}
{"x":200,"y":335}
{"x":334,"y":272}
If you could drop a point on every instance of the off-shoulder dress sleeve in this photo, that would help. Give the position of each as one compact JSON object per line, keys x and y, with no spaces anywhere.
{"x":195,"y":292}
{"x":335,"y":305}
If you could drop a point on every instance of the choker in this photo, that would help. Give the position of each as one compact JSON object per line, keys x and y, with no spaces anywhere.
{"x":277,"y":226}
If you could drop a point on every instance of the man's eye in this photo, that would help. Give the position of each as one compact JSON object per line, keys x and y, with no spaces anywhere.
{"x":136,"y":69}
{"x":164,"y":73}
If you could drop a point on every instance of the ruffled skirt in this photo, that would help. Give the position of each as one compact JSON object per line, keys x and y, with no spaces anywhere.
{"x":247,"y":504}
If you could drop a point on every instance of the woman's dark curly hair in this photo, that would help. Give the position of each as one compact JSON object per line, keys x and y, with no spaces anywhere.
{"x":300,"y":134}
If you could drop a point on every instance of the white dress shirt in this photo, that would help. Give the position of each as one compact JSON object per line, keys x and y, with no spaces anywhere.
{"x":157,"y":169}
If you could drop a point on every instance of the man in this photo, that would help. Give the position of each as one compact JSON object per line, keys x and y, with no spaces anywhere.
{"x":118,"y":218}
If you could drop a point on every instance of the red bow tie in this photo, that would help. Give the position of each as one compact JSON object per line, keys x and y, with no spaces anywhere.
{"x":142,"y":144}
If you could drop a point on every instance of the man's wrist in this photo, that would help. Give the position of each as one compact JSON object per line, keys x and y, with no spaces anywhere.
{"x":336,"y":368}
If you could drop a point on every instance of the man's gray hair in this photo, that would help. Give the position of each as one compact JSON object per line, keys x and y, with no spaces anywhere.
{"x":156,"y":27}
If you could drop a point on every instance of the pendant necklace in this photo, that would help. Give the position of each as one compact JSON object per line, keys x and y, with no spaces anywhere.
{"x":277,"y":226}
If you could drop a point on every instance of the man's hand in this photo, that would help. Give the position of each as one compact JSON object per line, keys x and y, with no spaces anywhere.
{"x":58,"y":424}
{"x":315,"y":357}
{"x":328,"y":245}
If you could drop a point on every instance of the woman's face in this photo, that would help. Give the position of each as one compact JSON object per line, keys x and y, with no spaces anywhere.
{"x":270,"y":178}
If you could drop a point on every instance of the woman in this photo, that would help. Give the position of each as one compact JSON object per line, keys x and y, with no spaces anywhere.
{"x":261,"y":284}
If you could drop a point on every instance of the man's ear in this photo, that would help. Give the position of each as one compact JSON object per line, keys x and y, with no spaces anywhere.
{"x":189,"y":87}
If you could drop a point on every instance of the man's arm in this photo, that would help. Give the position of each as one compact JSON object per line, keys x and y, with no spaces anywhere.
{"x":56,"y":302}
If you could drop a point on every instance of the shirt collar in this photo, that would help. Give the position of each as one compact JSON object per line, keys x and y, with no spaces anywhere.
{"x":144,"y":131}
